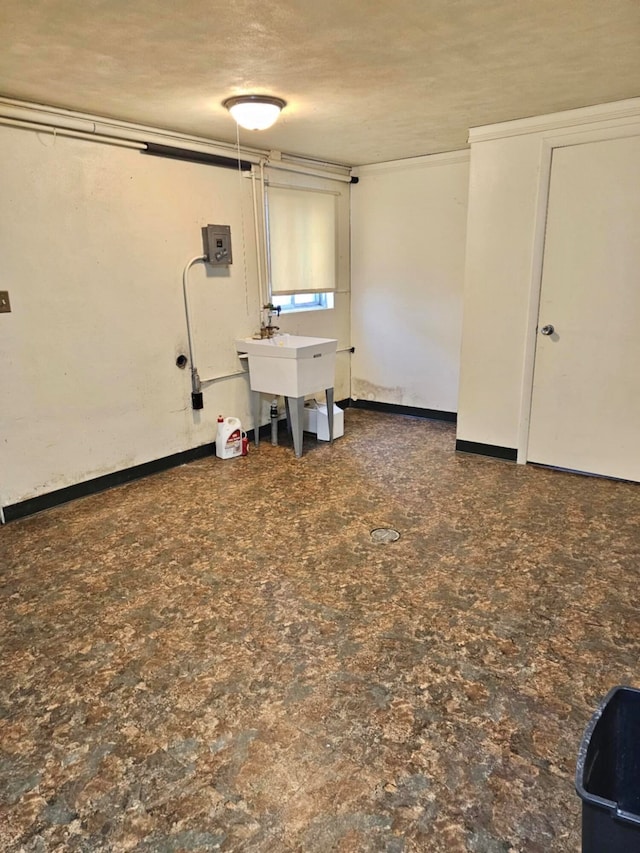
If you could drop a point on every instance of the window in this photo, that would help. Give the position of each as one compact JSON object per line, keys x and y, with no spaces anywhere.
{"x":301,"y":229}
{"x":303,"y":301}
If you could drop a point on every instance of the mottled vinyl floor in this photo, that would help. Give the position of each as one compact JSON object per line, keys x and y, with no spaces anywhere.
{"x":218,"y":657}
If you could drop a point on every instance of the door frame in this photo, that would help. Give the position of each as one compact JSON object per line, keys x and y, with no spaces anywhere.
{"x":549,"y":141}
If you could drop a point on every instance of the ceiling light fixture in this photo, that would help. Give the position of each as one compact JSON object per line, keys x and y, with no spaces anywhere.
{"x":254,"y":112}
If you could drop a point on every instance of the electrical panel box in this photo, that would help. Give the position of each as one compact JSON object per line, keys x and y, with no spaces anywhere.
{"x":216,"y":241}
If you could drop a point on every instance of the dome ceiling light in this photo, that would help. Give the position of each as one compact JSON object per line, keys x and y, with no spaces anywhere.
{"x":254,"y":112}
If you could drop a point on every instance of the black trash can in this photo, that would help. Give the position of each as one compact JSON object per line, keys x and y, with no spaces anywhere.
{"x":608,"y":775}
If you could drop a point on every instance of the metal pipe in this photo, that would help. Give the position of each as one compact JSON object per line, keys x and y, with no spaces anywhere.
{"x":284,"y":166}
{"x":70,"y":133}
{"x":274,"y":421}
{"x":195,"y":379}
{"x":25,"y":111}
{"x":259,"y":258}
{"x":26,"y":114}
{"x":47,"y":116}
{"x":224,"y":376}
{"x":265,"y":242}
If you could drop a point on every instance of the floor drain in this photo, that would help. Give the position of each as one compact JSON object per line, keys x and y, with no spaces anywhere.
{"x":384,"y":534}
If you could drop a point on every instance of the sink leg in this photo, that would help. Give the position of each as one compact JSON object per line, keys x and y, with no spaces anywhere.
{"x":286,"y":408}
{"x":329,"y":393}
{"x":256,"y":404}
{"x":296,"y":412}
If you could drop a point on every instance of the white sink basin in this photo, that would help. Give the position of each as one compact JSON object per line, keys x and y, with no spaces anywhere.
{"x":290,"y":365}
{"x":286,"y":346}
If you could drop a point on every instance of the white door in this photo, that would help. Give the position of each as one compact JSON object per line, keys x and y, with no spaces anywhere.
{"x":585,"y":411}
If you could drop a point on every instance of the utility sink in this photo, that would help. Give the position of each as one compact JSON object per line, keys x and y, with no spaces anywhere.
{"x":290,"y":365}
{"x":286,"y":346}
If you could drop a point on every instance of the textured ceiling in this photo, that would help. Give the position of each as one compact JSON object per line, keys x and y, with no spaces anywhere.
{"x":365,"y":80}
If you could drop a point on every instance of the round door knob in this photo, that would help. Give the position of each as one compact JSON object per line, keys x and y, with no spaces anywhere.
{"x":547,"y":330}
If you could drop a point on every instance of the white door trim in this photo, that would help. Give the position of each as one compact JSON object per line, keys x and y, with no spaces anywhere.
{"x":535,"y":284}
{"x":548,"y":142}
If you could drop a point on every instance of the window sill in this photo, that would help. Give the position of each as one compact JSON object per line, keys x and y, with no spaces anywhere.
{"x":305,"y":309}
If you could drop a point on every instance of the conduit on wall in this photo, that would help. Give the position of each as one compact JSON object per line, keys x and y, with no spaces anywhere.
{"x":20,"y":114}
{"x":70,"y":133}
{"x":196,"y":156}
{"x":40,"y":118}
{"x":37,"y":117}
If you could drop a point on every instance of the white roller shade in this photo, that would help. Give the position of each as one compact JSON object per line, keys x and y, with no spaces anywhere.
{"x":302,"y":240}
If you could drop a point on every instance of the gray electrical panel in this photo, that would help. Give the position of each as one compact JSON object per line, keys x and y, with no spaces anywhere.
{"x":216,"y":241}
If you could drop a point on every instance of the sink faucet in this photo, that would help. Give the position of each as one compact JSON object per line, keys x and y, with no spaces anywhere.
{"x":267,"y":330}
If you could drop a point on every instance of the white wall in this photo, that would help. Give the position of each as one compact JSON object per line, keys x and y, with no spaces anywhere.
{"x":94,"y":239}
{"x":408,"y":225}
{"x":508,"y":187}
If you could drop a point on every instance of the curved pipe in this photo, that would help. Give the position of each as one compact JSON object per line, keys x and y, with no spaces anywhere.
{"x":195,"y":379}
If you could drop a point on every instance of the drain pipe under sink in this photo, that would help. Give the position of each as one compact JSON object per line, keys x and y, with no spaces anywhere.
{"x":274,"y":421}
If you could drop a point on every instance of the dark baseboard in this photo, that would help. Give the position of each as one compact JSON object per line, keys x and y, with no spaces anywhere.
{"x":394,"y":409}
{"x":30,"y":506}
{"x":494,"y":450}
{"x":107,"y":481}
